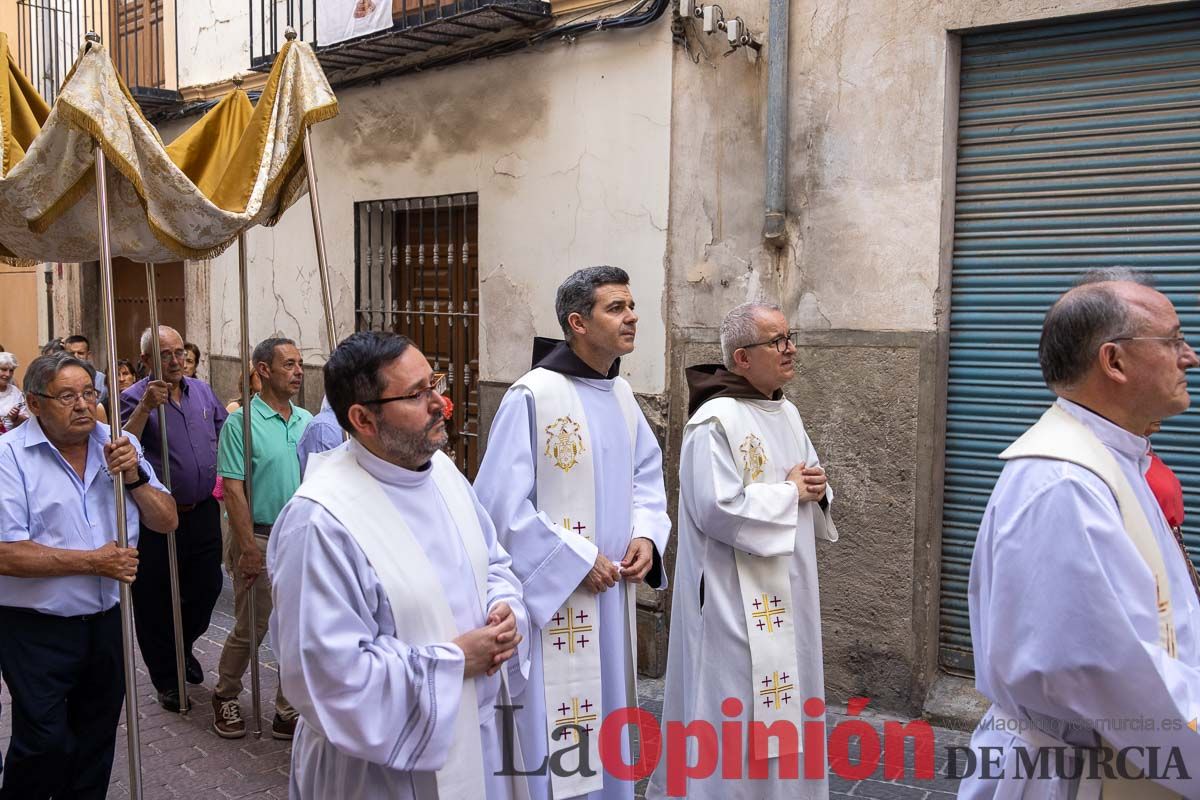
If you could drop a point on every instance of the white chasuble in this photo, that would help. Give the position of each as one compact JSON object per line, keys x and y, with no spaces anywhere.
{"x":743,"y":534}
{"x":419,"y":605}
{"x":1083,"y":618}
{"x":764,"y":582}
{"x":1061,"y":437}
{"x":566,"y":493}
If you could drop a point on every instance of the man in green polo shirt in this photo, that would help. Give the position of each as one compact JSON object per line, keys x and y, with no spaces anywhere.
{"x":275,"y":428}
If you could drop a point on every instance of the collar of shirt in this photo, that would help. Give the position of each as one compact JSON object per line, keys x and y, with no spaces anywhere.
{"x":35,"y":436}
{"x":386,"y":471}
{"x":266,"y":412}
{"x":1113,"y":436}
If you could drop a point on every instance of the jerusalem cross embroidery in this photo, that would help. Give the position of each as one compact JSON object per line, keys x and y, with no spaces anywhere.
{"x":776,"y":689}
{"x":577,"y":713}
{"x":564,"y":443}
{"x":578,"y":527}
{"x":754,"y":458}
{"x":768,"y":612}
{"x":574,"y":626}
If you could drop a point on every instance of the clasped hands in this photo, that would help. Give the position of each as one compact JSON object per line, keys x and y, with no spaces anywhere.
{"x":810,"y":482}
{"x":604,"y":574}
{"x":486,"y":649}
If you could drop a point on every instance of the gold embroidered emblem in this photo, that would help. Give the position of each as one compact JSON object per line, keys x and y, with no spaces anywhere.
{"x":564,"y":443}
{"x":754,"y":458}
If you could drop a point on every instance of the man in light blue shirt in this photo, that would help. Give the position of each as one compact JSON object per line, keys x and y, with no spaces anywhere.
{"x":323,"y":433}
{"x":59,"y":567}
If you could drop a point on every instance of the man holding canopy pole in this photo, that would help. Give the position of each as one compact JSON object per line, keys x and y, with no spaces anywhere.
{"x":60,"y":630}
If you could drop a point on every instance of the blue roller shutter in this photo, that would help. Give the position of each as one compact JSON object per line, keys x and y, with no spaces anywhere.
{"x":1078,"y":147}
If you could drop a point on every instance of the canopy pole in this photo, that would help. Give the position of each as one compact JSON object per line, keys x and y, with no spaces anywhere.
{"x":248,"y":480}
{"x":318,"y":229}
{"x":165,"y":476}
{"x":133,"y":737}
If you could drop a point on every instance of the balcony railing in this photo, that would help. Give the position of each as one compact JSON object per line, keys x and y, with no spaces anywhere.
{"x":416,"y":28}
{"x":140,"y":36}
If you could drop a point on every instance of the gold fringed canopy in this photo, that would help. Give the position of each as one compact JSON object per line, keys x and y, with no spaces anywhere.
{"x":238,"y":166}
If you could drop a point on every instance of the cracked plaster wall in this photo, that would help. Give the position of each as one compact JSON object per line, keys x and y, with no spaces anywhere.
{"x":214,"y":40}
{"x":872,"y":88}
{"x":567,"y":147}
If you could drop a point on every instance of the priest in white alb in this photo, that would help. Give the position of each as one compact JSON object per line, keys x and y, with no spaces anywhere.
{"x":395,"y":607}
{"x":753,"y":501}
{"x":1084,"y":620}
{"x":572,"y":477}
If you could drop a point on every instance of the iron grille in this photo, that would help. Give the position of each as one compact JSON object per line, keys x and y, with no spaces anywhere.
{"x":50,"y":33}
{"x":418,"y":274}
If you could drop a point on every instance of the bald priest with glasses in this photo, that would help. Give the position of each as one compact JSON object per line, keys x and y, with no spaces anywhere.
{"x":60,"y":629}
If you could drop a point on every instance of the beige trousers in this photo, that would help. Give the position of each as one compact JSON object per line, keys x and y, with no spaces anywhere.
{"x":235,"y":656}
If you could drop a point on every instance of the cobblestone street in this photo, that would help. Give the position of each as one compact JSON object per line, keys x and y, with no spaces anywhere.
{"x":182,"y":757}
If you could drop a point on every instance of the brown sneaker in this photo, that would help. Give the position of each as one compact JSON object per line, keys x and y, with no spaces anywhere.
{"x":283,"y":728}
{"x":227,"y":718}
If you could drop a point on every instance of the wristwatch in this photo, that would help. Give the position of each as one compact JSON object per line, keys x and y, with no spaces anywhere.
{"x":142,"y":479}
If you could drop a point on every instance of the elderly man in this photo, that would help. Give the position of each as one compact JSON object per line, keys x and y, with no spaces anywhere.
{"x":194,"y":419}
{"x":395,"y":606}
{"x":276,"y":425}
{"x":573,"y":479}
{"x":753,"y":502}
{"x":1083,"y":614}
{"x":60,"y":630}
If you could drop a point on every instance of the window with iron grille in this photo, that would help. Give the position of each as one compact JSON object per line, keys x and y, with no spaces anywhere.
{"x":418,"y":275}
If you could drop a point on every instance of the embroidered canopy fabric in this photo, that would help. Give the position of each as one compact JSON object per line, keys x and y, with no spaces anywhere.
{"x":238,"y":166}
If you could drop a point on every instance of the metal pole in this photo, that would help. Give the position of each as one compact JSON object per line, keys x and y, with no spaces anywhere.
{"x":322,"y":264}
{"x":165,"y":474}
{"x":248,"y":478}
{"x":133,"y":738}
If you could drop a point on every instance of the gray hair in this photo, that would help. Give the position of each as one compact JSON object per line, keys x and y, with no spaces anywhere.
{"x":1083,"y":320}
{"x":740,"y":328}
{"x":147,"y":340}
{"x":8,"y":360}
{"x":43,"y":369}
{"x":577,"y":294}
{"x":264,"y":351}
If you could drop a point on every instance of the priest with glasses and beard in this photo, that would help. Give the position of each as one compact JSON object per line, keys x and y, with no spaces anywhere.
{"x":395,"y":606}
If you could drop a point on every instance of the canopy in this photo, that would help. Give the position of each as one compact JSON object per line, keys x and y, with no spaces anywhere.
{"x":238,"y":166}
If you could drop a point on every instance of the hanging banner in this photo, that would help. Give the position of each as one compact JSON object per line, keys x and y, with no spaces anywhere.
{"x":339,"y":20}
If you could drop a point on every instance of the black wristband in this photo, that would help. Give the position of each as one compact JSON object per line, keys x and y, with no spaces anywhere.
{"x":142,"y":479}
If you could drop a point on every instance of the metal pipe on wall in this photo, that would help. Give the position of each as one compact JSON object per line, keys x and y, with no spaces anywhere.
{"x":133,"y":737}
{"x":775,"y":222}
{"x":165,"y":476}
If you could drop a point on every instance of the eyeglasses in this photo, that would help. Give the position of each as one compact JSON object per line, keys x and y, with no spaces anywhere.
{"x":178,"y":355}
{"x":1180,"y":343}
{"x":437,"y":385}
{"x":779,"y":342}
{"x":68,"y":399}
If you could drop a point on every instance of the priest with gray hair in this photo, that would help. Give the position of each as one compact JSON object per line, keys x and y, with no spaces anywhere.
{"x":753,"y":501}
{"x":1084,"y":619}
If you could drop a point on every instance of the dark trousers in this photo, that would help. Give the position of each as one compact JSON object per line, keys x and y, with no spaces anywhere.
{"x":67,"y":683}
{"x":198,"y":541}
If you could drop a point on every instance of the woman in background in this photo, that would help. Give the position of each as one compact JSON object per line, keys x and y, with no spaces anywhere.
{"x":12,"y":400}
{"x":191,"y":361}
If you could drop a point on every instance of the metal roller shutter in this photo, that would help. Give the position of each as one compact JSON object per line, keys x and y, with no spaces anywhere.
{"x":1078,"y":147}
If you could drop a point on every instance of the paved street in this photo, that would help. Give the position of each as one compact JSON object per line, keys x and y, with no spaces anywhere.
{"x":184,"y":758}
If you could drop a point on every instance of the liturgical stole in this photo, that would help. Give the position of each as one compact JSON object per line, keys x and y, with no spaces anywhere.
{"x":566,"y":493}
{"x":1061,"y":437}
{"x":420,"y":611}
{"x":764,"y":581}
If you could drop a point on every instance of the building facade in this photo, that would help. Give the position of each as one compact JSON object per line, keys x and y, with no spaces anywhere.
{"x":950,"y":166}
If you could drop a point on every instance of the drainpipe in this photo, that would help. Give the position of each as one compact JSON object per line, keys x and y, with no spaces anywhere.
{"x":774,"y":227}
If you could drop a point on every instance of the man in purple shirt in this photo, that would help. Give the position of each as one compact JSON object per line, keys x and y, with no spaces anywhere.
{"x":60,"y":631}
{"x":194,"y":419}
